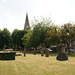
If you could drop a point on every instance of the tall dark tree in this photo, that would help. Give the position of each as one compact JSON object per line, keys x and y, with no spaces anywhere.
{"x":17,"y":36}
{"x":20,"y":35}
{"x":5,"y":38}
{"x":27,"y":39}
{"x":39,"y":31}
{"x":14,"y":38}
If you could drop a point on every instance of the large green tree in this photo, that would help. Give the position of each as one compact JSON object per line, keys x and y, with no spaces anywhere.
{"x":14,"y":38}
{"x":5,"y":38}
{"x":20,"y":35}
{"x":67,"y":34}
{"x":27,"y":39}
{"x":17,"y":36}
{"x":40,"y":28}
{"x":52,"y":36}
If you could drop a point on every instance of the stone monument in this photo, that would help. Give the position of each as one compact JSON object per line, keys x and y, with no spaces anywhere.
{"x":47,"y":52}
{"x":42,"y":52}
{"x":61,"y":54}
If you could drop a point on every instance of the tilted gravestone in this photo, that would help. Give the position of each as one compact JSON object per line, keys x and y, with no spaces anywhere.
{"x":61,"y":54}
{"x":47,"y":52}
{"x":42,"y":52}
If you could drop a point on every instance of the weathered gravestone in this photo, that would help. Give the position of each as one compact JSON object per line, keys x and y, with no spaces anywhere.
{"x":42,"y":49}
{"x":42,"y":52}
{"x":47,"y":52}
{"x":61,"y":54}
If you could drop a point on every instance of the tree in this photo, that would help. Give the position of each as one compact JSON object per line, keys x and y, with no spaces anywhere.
{"x":1,"y":40}
{"x":5,"y":38}
{"x":52,"y":36}
{"x":17,"y":36}
{"x":39,"y":30}
{"x":20,"y":35}
{"x":68,"y":34}
{"x":66,"y":30}
{"x":14,"y":38}
{"x":27,"y":39}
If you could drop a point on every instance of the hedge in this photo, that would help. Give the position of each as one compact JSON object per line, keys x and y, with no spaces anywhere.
{"x":7,"y":56}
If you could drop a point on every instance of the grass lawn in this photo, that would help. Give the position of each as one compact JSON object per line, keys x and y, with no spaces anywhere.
{"x":37,"y":65}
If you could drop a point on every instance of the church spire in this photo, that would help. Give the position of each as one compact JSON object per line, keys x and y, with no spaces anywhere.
{"x":27,"y":25}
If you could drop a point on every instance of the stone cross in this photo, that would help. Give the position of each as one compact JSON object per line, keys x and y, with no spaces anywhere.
{"x":61,"y":55}
{"x":61,"y":47}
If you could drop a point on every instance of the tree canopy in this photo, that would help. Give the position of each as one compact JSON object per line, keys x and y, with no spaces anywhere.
{"x":5,"y":38}
{"x":43,"y":32}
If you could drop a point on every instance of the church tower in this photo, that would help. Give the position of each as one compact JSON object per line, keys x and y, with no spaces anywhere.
{"x":27,"y":25}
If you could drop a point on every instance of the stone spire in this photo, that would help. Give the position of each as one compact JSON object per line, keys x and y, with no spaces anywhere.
{"x":27,"y":25}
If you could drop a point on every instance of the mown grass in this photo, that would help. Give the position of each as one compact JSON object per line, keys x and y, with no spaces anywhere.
{"x":37,"y":65}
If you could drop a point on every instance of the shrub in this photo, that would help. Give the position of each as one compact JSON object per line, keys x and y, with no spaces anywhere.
{"x":7,"y":56}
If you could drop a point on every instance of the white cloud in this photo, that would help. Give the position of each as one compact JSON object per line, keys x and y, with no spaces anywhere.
{"x":13,"y":13}
{"x":61,"y":11}
{"x":4,"y":1}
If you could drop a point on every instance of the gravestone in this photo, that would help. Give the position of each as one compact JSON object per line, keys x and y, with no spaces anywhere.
{"x":42,"y":52}
{"x":61,"y":54}
{"x":47,"y":52}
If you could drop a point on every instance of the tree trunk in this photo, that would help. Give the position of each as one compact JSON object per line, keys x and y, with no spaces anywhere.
{"x":24,"y":52}
{"x":34,"y":51}
{"x":68,"y":48}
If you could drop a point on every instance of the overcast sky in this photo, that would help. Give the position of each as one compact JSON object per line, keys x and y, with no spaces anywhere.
{"x":13,"y":12}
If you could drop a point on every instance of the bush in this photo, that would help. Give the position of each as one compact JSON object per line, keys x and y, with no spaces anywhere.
{"x":7,"y":56}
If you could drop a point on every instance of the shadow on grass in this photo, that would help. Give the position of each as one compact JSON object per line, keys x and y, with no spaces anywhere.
{"x":50,"y":53}
{"x":53,"y":53}
{"x":7,"y":60}
{"x":56,"y":53}
{"x":71,"y":55}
